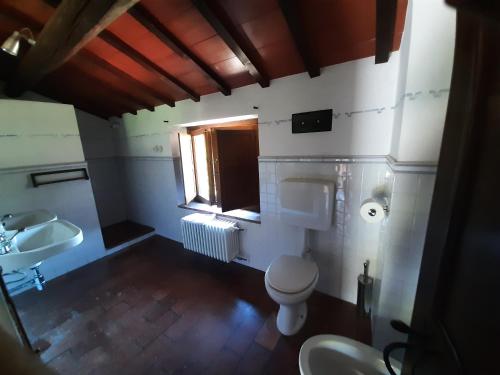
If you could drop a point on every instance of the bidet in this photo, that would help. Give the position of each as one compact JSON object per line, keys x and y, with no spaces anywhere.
{"x":332,"y":354}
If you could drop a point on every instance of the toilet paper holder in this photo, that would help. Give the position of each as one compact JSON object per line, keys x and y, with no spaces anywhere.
{"x":384,"y":202}
{"x":372,"y":208}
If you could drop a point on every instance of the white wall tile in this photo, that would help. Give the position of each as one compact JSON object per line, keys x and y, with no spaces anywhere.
{"x":400,"y":251}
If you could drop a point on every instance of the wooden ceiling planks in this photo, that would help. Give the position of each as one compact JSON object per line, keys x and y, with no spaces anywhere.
{"x":293,"y":19}
{"x":162,"y":74}
{"x":150,"y":22}
{"x":218,"y":20}
{"x":174,"y":39}
{"x":125,"y":77}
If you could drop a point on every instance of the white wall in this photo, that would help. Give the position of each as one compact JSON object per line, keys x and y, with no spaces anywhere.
{"x":400,"y":250}
{"x":105,"y":169}
{"x":33,"y":133}
{"x":353,"y":86}
{"x":424,"y":80}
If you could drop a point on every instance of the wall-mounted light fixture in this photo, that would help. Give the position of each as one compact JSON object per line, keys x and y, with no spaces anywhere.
{"x":12,"y":43}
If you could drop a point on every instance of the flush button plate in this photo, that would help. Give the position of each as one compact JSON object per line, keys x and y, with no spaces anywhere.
{"x":310,"y":122}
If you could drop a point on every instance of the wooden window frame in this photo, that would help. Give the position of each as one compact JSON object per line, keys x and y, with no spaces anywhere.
{"x":208,"y":146}
{"x":212,"y":152}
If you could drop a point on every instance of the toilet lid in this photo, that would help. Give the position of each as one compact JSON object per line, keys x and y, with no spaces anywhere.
{"x":291,"y":274}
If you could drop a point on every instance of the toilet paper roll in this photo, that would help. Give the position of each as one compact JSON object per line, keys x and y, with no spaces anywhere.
{"x":372,"y":210}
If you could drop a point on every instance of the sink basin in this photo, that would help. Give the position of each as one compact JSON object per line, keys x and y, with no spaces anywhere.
{"x":39,"y":243}
{"x":338,"y":355}
{"x":28,"y":219}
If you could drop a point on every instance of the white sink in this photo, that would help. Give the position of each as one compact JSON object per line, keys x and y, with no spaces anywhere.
{"x":339,"y":355}
{"x":28,"y":219}
{"x":39,"y":243}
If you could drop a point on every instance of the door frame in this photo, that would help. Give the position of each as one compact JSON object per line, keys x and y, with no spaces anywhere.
{"x":460,"y":151}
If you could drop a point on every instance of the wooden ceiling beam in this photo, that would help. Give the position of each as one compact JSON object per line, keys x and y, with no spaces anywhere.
{"x":74,"y":23}
{"x":51,"y":89}
{"x":142,"y":60}
{"x":151,"y":23}
{"x":292,"y":17}
{"x":97,"y":60}
{"x":228,"y":33}
{"x":385,"y":25}
{"x":110,"y":93}
{"x":124,"y":48}
{"x":87,"y":85}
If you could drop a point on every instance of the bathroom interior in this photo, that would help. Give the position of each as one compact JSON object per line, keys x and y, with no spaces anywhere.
{"x":225,"y":187}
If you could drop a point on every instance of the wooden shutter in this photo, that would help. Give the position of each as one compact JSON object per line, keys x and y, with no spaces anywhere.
{"x":236,"y":168}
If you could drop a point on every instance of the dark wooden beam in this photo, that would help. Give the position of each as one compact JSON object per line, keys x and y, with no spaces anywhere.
{"x":126,"y":102}
{"x":137,"y":101}
{"x":96,"y":60}
{"x":227,"y":32}
{"x":123,"y":47}
{"x":74,"y":23}
{"x":386,"y":22}
{"x":292,"y":17}
{"x":92,"y":58}
{"x":150,"y":22}
{"x":51,"y":88}
{"x":36,"y":26}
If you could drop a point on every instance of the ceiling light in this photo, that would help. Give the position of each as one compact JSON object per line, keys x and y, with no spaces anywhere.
{"x":12,"y":43}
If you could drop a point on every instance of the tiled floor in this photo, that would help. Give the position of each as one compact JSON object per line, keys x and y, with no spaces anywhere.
{"x":159,"y":309}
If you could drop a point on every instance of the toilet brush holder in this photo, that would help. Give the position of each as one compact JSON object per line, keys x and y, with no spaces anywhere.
{"x":365,"y":286}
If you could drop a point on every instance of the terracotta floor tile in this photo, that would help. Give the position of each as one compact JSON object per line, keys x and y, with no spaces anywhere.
{"x":158,"y":309}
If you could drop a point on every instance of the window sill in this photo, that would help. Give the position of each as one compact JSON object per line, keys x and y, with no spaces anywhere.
{"x":244,"y":215}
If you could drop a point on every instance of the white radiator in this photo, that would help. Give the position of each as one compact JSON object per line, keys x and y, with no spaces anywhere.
{"x":211,"y":236}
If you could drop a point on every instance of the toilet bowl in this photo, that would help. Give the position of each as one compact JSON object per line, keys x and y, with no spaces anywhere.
{"x":289,"y":281}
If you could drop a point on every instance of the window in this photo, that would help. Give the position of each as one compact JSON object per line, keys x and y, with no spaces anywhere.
{"x":220,"y":165}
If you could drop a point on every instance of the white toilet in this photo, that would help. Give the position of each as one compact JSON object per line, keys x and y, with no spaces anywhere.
{"x":290,"y":280}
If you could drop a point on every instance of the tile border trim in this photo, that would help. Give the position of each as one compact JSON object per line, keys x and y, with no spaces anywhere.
{"x":396,"y":166}
{"x":411,"y":166}
{"x":324,"y":159}
{"x":147,"y":158}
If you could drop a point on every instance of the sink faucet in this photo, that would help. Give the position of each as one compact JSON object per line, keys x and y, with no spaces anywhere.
{"x":6,"y":243}
{"x":6,"y":216}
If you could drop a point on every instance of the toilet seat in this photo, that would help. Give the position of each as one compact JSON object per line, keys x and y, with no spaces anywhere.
{"x":291,"y":274}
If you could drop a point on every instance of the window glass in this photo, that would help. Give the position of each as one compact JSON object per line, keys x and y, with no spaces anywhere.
{"x":187,"y":167}
{"x":201,"y":165}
